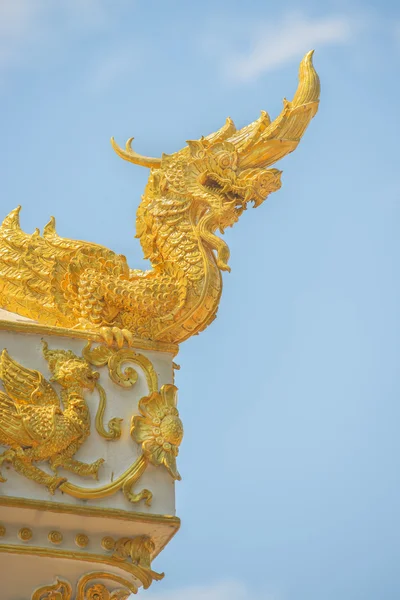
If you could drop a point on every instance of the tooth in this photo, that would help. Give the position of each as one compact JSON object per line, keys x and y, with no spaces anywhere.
{"x":248,"y":195}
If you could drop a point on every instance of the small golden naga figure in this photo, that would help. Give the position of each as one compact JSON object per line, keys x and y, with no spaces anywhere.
{"x":32,"y":422}
{"x":190,"y":195}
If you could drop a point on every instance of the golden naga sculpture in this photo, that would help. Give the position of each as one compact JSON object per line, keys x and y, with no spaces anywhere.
{"x":190,"y":195}
{"x":32,"y":422}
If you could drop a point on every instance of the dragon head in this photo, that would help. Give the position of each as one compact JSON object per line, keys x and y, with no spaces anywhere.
{"x":217,"y":176}
{"x":68,"y":369}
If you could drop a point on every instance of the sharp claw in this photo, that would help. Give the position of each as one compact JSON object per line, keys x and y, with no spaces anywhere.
{"x":107,"y":335}
{"x":55,"y":484}
{"x":128,"y":336}
{"x":116,"y":335}
{"x":119,"y":336}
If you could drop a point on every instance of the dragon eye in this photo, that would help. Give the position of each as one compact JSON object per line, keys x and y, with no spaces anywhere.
{"x":225,"y":161}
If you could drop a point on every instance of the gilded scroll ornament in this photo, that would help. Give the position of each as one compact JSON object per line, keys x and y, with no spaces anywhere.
{"x":115,"y":359}
{"x":159,"y":429}
{"x":138,"y":549}
{"x":60,"y":590}
{"x":36,"y":425}
{"x":114,"y":424}
{"x":86,"y":589}
{"x":190,"y":196}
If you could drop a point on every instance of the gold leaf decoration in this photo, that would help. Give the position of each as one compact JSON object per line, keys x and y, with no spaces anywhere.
{"x":191,"y":197}
{"x":159,"y":429}
{"x":36,"y":425}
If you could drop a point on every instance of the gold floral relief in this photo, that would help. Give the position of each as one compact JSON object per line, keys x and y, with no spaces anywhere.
{"x":38,"y":425}
{"x":115,"y":360}
{"x":159,"y":429}
{"x":86,"y":589}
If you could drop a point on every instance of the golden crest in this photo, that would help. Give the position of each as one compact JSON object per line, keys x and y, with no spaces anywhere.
{"x":190,"y":195}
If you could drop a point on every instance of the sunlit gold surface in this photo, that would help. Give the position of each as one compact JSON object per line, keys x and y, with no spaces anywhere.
{"x":159,"y":429}
{"x":55,"y":537}
{"x":143,"y":573}
{"x":137,"y":549}
{"x":25,"y":534}
{"x":64,"y":431}
{"x":33,"y":424}
{"x":90,"y":511}
{"x":28,"y":327}
{"x":60,"y":590}
{"x":190,"y":195}
{"x":86,"y":589}
{"x":81,"y":540}
{"x":114,"y":359}
{"x":100,"y":356}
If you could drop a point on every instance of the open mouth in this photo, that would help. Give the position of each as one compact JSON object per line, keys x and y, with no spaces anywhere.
{"x":225,"y":190}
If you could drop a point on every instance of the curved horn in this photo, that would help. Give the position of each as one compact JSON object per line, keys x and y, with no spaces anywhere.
{"x":262,"y":143}
{"x":132,"y":156}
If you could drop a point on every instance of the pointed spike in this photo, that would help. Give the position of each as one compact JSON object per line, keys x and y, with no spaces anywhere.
{"x":131,"y":156}
{"x":49,"y":230}
{"x":128,"y":145}
{"x":12,"y":219}
{"x":265,"y":118}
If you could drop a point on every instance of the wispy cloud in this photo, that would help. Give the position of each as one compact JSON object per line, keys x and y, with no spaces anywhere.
{"x":18,"y":20}
{"x":114,"y":66}
{"x":25,"y":24}
{"x":228,"y":590}
{"x":269,"y":45}
{"x":38,"y":32}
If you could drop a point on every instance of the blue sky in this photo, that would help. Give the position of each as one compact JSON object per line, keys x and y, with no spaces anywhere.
{"x":290,"y":400}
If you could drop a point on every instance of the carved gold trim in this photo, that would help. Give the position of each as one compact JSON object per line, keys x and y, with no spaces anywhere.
{"x":89,"y":511}
{"x":114,"y":424}
{"x":125,"y":482}
{"x":107,"y":543}
{"x":25,"y":534}
{"x":62,"y":590}
{"x":159,"y":429}
{"x":143,"y":574}
{"x":46,"y":430}
{"x":116,"y":595}
{"x":2,"y":530}
{"x":81,"y":540}
{"x":38,"y":329}
{"x":171,"y":521}
{"x":55,"y":537}
{"x":114,"y":359}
